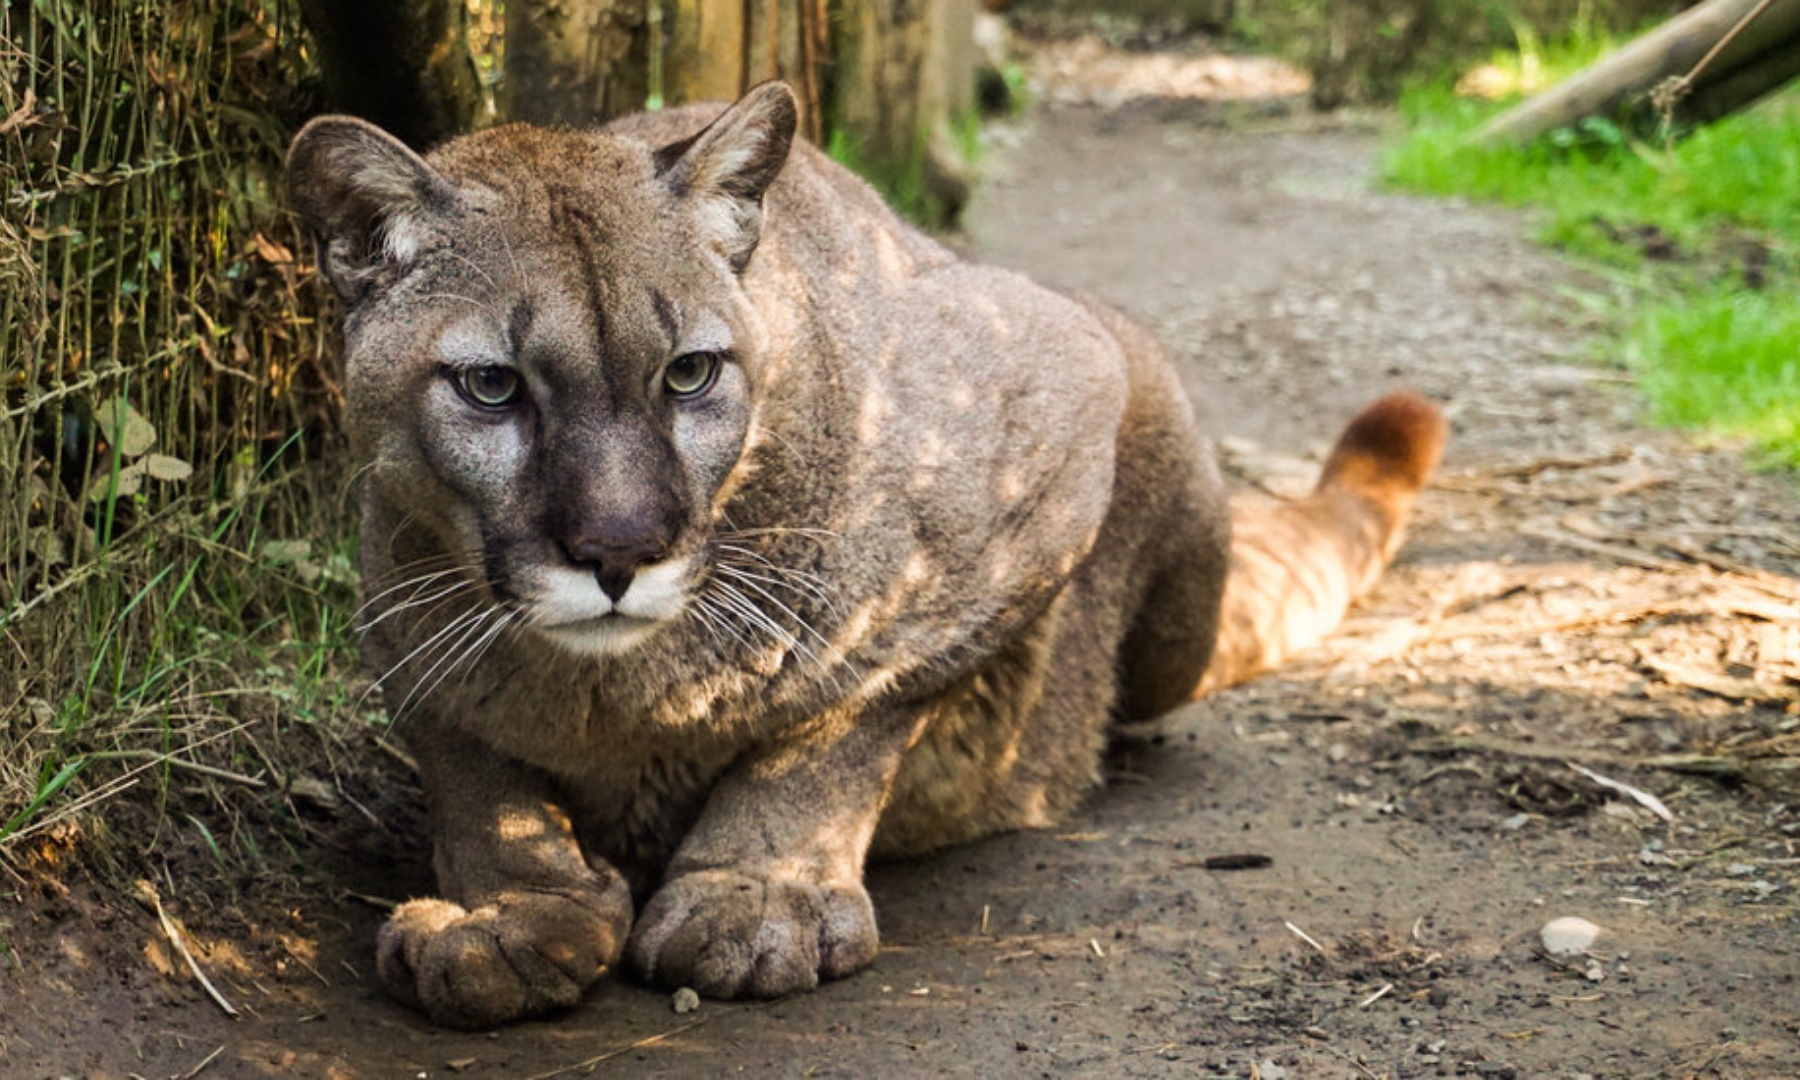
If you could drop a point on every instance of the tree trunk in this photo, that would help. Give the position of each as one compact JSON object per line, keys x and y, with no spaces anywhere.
{"x":403,"y":64}
{"x":574,"y":61}
{"x":706,"y":51}
{"x":1671,"y":50}
{"x":903,"y":70}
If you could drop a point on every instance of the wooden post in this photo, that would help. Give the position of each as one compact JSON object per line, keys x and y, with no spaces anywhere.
{"x":1670,"y":50}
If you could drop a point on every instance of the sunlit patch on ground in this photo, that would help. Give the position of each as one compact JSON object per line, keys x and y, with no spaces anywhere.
{"x":1083,"y":69}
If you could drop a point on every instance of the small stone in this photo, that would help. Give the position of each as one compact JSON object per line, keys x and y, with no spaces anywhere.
{"x":1500,"y":1070}
{"x":1516,"y":822}
{"x":685,"y":1001}
{"x":1568,"y":936}
{"x":1268,"y":1070}
{"x":1594,"y":973}
{"x":1738,"y":869}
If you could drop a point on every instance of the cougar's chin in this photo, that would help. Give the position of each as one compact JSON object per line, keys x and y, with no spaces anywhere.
{"x":570,"y":609}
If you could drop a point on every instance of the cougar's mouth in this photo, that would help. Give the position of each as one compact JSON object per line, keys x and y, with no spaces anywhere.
{"x":571,"y":607}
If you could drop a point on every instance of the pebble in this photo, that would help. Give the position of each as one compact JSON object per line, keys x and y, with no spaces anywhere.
{"x":685,"y":1001}
{"x":1268,"y":1070}
{"x":1568,"y":936}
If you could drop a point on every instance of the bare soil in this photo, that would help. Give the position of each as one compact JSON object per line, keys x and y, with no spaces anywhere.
{"x":1578,"y":591}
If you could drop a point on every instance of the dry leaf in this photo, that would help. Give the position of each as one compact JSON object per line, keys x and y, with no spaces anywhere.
{"x":272,"y":252}
{"x":125,"y":427}
{"x":164,"y":467}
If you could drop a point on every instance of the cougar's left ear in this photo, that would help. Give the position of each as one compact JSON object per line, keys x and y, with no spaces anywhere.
{"x":723,"y":171}
{"x":371,"y":201}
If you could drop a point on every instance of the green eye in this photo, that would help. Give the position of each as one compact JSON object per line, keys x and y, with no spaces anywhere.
{"x":691,"y":374}
{"x":488,"y":387}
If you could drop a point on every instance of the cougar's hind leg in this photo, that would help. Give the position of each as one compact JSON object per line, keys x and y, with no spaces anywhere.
{"x":1170,"y":505}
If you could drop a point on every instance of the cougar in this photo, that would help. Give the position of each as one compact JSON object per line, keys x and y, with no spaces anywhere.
{"x":722,"y":532}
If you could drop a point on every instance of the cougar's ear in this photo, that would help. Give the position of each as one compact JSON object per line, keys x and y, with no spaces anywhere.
{"x":370,"y":200}
{"x":723,"y":171}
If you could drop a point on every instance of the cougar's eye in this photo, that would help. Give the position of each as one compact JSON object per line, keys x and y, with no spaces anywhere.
{"x":691,"y":374}
{"x":488,"y":387}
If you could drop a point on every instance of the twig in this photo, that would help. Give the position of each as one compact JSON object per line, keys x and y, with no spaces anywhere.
{"x":618,"y":1051}
{"x":1643,"y":798}
{"x":204,"y":1062}
{"x":158,"y":758}
{"x":147,"y":892}
{"x":1303,"y":935}
{"x":1386,"y":989}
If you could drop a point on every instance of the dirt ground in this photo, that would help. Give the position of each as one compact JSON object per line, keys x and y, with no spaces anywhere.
{"x":1578,"y":591}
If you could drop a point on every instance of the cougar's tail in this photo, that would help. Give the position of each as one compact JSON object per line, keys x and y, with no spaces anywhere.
{"x":1295,"y":569}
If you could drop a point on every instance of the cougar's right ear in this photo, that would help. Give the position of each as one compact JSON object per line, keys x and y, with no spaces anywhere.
{"x":723,"y":171}
{"x":370,"y":200}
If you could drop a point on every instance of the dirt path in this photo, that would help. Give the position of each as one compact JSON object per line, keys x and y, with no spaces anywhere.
{"x":1578,"y":590}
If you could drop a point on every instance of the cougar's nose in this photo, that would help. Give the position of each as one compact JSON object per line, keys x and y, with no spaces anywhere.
{"x":614,"y":555}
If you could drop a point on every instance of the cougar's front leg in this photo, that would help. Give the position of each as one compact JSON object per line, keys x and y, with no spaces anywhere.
{"x":526,"y":923}
{"x":765,"y":897}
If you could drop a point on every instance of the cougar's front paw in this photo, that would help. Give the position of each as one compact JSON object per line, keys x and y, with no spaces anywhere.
{"x":522,"y":953}
{"x":728,"y":934}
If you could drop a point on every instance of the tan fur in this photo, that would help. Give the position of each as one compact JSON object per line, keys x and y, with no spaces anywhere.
{"x":969,"y":522}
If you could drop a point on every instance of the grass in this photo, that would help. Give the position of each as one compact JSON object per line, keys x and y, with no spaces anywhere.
{"x":231,"y":632}
{"x":1698,"y":238}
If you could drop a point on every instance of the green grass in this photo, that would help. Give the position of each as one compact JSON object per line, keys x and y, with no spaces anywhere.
{"x":1700,"y":238}
{"x":191,"y":631}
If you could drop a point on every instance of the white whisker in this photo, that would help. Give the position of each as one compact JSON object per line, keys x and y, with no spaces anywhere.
{"x":426,"y":644}
{"x":445,"y":664}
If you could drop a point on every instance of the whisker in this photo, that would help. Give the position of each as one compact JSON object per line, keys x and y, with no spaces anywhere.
{"x":779,"y":530}
{"x":427,"y":643}
{"x":418,"y":583}
{"x":473,"y":265}
{"x":451,"y":656}
{"x":484,"y":306}
{"x":487,"y":642}
{"x":789,"y":640}
{"x":789,"y":612}
{"x":803,"y":583}
{"x":416,"y":601}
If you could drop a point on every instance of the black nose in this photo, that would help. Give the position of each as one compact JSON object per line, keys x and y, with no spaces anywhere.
{"x":614,"y":558}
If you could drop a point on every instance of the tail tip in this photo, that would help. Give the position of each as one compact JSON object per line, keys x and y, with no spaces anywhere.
{"x":1399,"y":437}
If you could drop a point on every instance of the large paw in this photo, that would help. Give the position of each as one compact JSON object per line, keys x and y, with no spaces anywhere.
{"x":524,"y":952}
{"x":728,"y":934}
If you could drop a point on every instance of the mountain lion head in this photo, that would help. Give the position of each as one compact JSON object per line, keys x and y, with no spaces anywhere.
{"x":552,"y":363}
